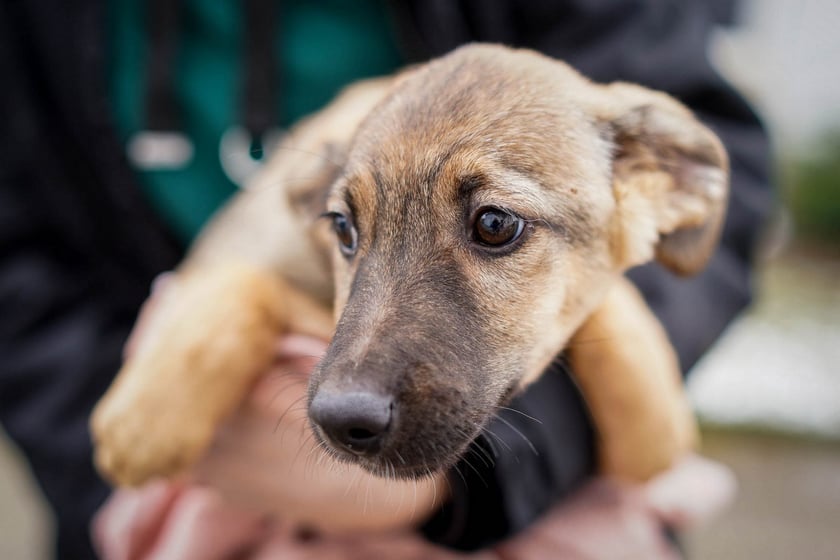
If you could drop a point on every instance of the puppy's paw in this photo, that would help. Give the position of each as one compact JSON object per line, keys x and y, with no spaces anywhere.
{"x":133,"y":446}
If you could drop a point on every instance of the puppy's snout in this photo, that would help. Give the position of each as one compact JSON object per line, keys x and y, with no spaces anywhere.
{"x":355,"y":421}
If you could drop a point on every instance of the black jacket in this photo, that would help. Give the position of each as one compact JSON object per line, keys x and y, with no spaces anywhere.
{"x":79,"y":245}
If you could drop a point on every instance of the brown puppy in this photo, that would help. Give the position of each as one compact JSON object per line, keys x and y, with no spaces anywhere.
{"x":487,"y":207}
{"x":485,"y":214}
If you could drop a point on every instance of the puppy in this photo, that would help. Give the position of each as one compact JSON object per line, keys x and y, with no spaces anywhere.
{"x":483,"y":211}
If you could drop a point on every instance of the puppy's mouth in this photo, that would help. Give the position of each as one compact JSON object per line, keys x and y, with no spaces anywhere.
{"x":387,"y":463}
{"x":392,"y":463}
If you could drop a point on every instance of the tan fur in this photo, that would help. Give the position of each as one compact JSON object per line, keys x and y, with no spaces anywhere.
{"x":655,"y":186}
{"x":643,"y":418}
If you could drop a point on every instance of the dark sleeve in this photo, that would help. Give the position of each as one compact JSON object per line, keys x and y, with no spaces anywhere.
{"x":661,"y":44}
{"x":69,"y":284}
{"x":59,"y":347}
{"x":62,"y":328}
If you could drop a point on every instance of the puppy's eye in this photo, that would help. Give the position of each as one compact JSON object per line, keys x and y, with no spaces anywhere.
{"x":495,"y":227}
{"x":346,"y":233}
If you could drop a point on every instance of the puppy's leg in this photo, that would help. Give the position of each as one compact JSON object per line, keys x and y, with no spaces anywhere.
{"x":215,"y":333}
{"x":629,"y":376}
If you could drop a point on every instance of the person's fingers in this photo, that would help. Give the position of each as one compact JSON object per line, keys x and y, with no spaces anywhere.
{"x":605,"y":520}
{"x":692,"y":492}
{"x":373,"y":547}
{"x":285,"y":547}
{"x":200,"y":526}
{"x":129,"y":521}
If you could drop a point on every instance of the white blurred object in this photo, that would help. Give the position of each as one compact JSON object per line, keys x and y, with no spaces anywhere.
{"x":765,"y":375}
{"x":152,"y":150}
{"x":779,"y":366}
{"x":785,"y":57}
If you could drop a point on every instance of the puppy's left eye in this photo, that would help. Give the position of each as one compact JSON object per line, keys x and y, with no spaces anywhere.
{"x":346,"y":233}
{"x":495,"y":227}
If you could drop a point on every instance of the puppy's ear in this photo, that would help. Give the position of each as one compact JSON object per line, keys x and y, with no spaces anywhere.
{"x":670,"y":179}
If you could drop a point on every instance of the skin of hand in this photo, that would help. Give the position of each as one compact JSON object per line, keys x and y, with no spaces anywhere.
{"x":605,"y":520}
{"x":264,"y":479}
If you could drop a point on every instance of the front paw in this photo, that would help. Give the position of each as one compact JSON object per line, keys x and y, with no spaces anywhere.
{"x":134,"y":444}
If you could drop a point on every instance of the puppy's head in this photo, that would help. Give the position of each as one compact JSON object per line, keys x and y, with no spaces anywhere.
{"x":486,"y":205}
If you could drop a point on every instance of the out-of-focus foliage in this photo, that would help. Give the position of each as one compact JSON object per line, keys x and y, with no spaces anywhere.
{"x":813,"y":191}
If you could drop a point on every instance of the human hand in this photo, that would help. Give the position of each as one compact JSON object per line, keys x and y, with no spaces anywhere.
{"x":603,"y":521}
{"x":168,"y":521}
{"x":608,"y":520}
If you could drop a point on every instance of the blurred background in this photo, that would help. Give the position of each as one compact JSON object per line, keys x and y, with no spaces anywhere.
{"x":769,"y":393}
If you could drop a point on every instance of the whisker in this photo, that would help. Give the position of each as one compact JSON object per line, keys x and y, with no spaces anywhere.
{"x":279,"y":373}
{"x":353,"y":482}
{"x":285,"y":412}
{"x":475,"y":470}
{"x":414,"y":503}
{"x":303,"y":444}
{"x":528,"y":416}
{"x":402,"y":498}
{"x":388,"y":479}
{"x":431,"y":477}
{"x":286,"y":388}
{"x":474,"y":449}
{"x":482,"y":456}
{"x":515,"y":429}
{"x":487,"y":430}
{"x":460,"y":474}
{"x":367,"y":496}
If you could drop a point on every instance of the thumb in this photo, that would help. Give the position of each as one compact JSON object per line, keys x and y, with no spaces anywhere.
{"x":694,"y":491}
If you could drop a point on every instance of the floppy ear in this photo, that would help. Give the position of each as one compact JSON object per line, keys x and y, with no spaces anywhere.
{"x":670,"y":180}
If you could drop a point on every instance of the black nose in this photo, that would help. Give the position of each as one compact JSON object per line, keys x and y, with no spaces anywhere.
{"x":357,"y":421}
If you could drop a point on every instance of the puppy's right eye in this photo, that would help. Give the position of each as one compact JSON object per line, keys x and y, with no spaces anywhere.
{"x":494,"y":227}
{"x":346,"y":233}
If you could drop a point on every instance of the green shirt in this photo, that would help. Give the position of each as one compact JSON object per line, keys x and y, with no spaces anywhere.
{"x":320,"y":46}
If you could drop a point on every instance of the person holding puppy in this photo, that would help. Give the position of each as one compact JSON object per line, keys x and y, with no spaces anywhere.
{"x":72,"y":284}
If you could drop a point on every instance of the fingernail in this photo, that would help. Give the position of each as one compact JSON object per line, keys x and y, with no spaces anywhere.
{"x":298,"y":345}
